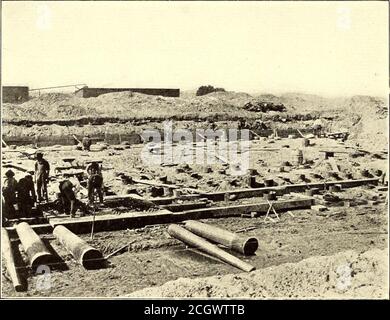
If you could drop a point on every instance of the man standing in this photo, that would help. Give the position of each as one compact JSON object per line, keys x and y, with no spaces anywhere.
{"x":317,"y":127}
{"x":42,"y":170}
{"x":95,"y":182}
{"x":9,"y":195}
{"x":26,"y":195}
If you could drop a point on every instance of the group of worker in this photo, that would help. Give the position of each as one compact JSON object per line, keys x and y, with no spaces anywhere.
{"x":19,"y":197}
{"x":69,"y":187}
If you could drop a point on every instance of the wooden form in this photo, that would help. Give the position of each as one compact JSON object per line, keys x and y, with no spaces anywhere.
{"x":280,"y":190}
{"x":132,"y":220}
{"x":237,"y":210}
{"x":110,"y":222}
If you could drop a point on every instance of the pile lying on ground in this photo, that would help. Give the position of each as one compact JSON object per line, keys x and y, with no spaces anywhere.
{"x":345,"y":275}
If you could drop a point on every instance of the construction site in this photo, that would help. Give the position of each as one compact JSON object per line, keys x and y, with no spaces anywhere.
{"x":202,"y":153}
{"x":298,"y":210}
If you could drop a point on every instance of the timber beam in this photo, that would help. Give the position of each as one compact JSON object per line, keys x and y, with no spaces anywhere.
{"x":133,"y":220}
{"x":285,"y":189}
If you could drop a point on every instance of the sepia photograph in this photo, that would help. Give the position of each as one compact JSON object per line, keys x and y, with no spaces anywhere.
{"x":194,"y":150}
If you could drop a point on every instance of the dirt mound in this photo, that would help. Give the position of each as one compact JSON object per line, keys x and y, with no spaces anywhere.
{"x":367,"y":121}
{"x":364,"y":117}
{"x":47,"y":106}
{"x":345,"y":275}
{"x":127,"y":105}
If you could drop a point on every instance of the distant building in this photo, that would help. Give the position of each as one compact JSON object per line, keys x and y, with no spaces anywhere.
{"x":87,"y":92}
{"x":15,"y":94}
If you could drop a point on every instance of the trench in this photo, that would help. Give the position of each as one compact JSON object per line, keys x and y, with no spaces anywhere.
{"x":130,"y":138}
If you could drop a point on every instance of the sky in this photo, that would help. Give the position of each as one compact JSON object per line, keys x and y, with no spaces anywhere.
{"x":327,"y":48}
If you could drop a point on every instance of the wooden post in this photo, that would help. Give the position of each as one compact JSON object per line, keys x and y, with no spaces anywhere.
{"x":84,"y":254}
{"x":35,"y":249}
{"x":8,"y":256}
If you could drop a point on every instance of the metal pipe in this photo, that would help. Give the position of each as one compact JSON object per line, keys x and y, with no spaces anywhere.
{"x":243,"y":245}
{"x":35,"y":249}
{"x":83,"y":253}
{"x":195,"y":241}
{"x":8,"y":256}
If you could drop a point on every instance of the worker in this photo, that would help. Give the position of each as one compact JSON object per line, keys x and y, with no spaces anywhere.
{"x":212,"y":125}
{"x":26,"y":195}
{"x":95,"y":182}
{"x":9,"y":195}
{"x":42,"y":170}
{"x":86,"y":143}
{"x":68,"y":197}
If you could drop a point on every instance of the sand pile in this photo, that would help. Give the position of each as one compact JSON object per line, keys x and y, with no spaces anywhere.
{"x":364,"y":117}
{"x":47,"y":106}
{"x":371,"y":131}
{"x":344,"y":275}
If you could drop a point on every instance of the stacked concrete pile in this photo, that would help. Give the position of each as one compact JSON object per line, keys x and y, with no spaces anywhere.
{"x":345,"y":275}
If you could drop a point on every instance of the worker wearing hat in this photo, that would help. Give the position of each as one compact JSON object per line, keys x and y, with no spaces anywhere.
{"x":42,"y":170}
{"x":86,"y":142}
{"x":95,"y":182}
{"x":317,"y":127}
{"x":9,"y":195}
{"x":68,"y":188}
{"x":26,"y":195}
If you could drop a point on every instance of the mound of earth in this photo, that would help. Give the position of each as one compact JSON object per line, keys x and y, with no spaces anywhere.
{"x":344,"y":275}
{"x":126,"y":105}
{"x":365,"y":117}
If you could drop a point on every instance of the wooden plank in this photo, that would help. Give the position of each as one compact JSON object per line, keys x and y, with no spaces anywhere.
{"x":61,"y":168}
{"x":109,"y":222}
{"x":169,"y":200}
{"x":131,"y":200}
{"x":3,"y":144}
{"x":130,"y":220}
{"x":38,"y":228}
{"x":334,"y":165}
{"x":300,"y":133}
{"x":336,"y":151}
{"x":30,"y":220}
{"x":237,"y":210}
{"x":284,"y":189}
{"x":13,"y":166}
{"x":156,"y":184}
{"x":177,"y":207}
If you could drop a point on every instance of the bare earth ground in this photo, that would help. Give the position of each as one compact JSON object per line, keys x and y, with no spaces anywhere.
{"x":344,"y":275}
{"x":154,"y":258}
